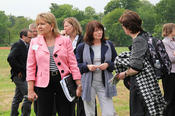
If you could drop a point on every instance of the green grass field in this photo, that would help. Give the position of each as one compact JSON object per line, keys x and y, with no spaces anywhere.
{"x":121,"y":102}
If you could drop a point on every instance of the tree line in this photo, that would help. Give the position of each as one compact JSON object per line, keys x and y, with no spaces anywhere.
{"x":153,"y":16}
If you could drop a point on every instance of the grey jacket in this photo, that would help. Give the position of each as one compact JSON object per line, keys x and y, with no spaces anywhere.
{"x":139,"y":49}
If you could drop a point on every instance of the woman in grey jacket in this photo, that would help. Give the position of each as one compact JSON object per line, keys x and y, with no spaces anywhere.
{"x":142,"y":86}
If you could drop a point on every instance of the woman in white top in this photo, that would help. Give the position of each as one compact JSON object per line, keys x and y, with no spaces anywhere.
{"x":168,"y":32}
{"x":73,"y":30}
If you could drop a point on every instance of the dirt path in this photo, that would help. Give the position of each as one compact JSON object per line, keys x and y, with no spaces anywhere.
{"x":4,"y":48}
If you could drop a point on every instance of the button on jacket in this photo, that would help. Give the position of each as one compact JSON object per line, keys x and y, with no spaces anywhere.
{"x":38,"y":56}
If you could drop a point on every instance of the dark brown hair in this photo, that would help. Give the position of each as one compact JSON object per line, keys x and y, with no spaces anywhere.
{"x":90,"y":28}
{"x":131,"y":21}
{"x":24,"y":32}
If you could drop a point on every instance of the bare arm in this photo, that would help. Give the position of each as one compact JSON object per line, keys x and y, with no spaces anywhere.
{"x":31,"y":93}
{"x":129,"y":72}
{"x":79,"y":87}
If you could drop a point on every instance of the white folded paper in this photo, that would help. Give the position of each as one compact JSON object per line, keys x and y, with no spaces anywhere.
{"x":65,"y":89}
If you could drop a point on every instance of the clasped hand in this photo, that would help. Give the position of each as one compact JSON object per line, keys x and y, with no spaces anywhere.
{"x":102,"y":66}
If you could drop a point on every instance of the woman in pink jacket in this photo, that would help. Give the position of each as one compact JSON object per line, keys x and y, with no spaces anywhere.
{"x":50,"y":58}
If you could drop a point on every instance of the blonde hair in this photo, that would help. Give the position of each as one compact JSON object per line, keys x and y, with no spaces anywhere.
{"x":167,"y":29}
{"x":74,"y":22}
{"x":50,"y":19}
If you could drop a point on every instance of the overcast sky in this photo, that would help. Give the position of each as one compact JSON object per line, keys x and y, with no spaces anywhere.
{"x":30,"y":8}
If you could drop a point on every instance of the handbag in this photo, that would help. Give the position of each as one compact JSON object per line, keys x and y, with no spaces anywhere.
{"x":69,"y":87}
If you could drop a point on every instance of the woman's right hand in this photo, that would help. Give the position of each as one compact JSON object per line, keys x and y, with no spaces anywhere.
{"x":79,"y":90}
{"x":32,"y":95}
{"x":92,"y":67}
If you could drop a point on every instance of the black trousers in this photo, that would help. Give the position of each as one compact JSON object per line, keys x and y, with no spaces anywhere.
{"x":35,"y":106}
{"x":46,"y":98}
{"x":169,"y":94}
{"x":137,"y":106}
{"x":80,"y":107}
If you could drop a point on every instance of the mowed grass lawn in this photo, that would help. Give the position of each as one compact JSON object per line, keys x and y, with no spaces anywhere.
{"x":121,"y":101}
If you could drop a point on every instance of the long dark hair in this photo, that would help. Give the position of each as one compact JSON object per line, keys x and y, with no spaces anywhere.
{"x":90,"y":28}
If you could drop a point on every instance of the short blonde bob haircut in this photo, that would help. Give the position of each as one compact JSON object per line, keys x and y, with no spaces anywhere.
{"x":76,"y":25}
{"x":50,"y":19}
{"x":167,"y":29}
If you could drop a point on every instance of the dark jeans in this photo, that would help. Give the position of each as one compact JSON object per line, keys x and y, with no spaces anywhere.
{"x":46,"y":96}
{"x":137,"y":107}
{"x":20,"y":91}
{"x":169,"y":94}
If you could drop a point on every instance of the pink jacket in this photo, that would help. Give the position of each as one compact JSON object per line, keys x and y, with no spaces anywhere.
{"x":39,"y":56}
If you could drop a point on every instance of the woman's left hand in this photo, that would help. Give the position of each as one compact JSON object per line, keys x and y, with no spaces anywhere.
{"x":103,"y":66}
{"x":79,"y":90}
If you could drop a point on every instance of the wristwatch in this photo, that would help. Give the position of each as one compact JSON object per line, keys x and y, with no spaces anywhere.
{"x":126,"y":75}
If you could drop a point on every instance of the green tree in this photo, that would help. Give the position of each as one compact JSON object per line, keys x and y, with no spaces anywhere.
{"x":165,"y":11}
{"x":113,"y":4}
{"x":17,"y":24}
{"x":126,"y":4}
{"x":63,"y":11}
{"x":89,"y":11}
{"x":113,"y":28}
{"x":90,"y":15}
{"x":3,"y":28}
{"x":148,"y":15}
{"x":158,"y":31}
{"x":12,"y":20}
{"x":164,"y":14}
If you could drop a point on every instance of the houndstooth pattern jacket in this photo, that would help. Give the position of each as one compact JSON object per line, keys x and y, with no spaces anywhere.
{"x":146,"y":83}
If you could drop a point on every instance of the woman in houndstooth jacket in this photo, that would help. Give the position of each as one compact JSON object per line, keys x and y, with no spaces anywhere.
{"x":131,"y":24}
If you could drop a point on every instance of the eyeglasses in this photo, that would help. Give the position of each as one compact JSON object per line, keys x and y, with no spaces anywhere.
{"x":29,"y":37}
{"x":34,"y":31}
